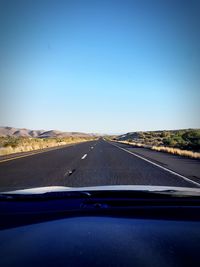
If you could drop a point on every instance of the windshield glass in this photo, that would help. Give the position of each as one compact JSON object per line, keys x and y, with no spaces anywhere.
{"x":99,"y":93}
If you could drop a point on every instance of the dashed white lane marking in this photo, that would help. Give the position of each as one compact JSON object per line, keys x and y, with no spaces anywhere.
{"x":84,"y":156}
{"x":157,"y":165}
{"x":92,"y":147}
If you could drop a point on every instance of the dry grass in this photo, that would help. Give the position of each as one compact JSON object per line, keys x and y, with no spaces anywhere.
{"x":175,"y":151}
{"x":135,"y":144}
{"x":17,"y":145}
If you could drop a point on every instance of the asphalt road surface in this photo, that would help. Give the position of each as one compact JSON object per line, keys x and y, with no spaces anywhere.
{"x":99,"y":163}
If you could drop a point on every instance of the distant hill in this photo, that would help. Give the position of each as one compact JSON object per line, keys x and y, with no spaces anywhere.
{"x":18,"y":132}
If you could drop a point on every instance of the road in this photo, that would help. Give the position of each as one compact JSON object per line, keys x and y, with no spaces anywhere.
{"x":98,"y":163}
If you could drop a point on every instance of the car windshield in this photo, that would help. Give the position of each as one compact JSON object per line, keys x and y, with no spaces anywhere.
{"x":99,"y":93}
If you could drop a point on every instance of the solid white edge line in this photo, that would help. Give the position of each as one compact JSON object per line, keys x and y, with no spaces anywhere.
{"x":84,"y":156}
{"x":157,"y":165}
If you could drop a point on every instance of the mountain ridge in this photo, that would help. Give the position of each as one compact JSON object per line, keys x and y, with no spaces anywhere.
{"x":23,"y":132}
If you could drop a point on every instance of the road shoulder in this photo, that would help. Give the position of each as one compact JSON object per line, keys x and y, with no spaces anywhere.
{"x":187,"y":167}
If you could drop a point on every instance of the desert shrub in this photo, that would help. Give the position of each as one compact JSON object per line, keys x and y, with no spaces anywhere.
{"x":169,"y":141}
{"x":12,"y":142}
{"x":193,"y":139}
{"x":141,"y":135}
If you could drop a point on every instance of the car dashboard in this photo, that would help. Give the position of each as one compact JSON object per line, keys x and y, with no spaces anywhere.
{"x":109,"y":229}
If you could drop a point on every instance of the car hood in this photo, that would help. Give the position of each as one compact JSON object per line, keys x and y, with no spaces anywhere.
{"x":147,"y":188}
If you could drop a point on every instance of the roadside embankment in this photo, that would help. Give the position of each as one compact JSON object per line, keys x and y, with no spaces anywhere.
{"x":175,"y":151}
{"x":11,"y":145}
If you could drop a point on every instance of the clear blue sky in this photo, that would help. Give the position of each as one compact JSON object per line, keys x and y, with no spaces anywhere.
{"x":100,"y":66}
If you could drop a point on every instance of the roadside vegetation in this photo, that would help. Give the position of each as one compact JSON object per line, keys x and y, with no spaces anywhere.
{"x":179,"y":142}
{"x":10,"y":145}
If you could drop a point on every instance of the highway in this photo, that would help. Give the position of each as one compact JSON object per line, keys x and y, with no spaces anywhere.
{"x":98,"y":163}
